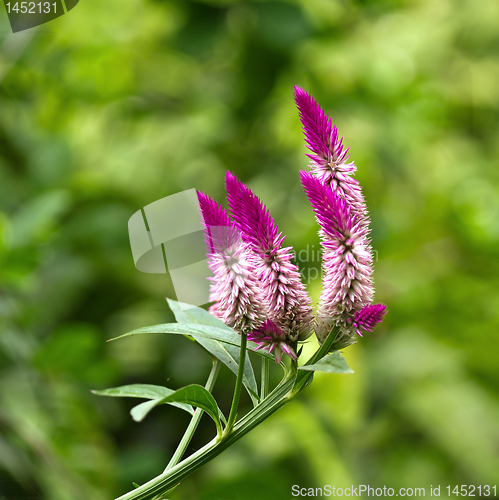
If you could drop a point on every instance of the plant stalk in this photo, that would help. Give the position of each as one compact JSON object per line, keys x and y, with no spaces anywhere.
{"x":162,"y":483}
{"x":264,"y":389}
{"x":304,"y":377}
{"x":193,"y":424}
{"x":239,"y":383}
{"x":289,"y":387}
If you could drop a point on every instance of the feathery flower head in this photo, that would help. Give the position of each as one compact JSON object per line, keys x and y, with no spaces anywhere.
{"x":252,"y":217}
{"x":329,"y":157}
{"x":236,"y":292}
{"x":347,"y":260}
{"x":257,"y":288}
{"x":320,"y":134}
{"x":333,"y":213}
{"x":270,"y":337}
{"x":219,"y":231}
{"x":367,"y":318}
{"x":289,"y":304}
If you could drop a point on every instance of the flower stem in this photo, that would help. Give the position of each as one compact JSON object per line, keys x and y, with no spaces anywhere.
{"x":186,"y":439}
{"x":289,"y":387}
{"x":264,"y":389}
{"x":303,"y":377}
{"x":162,"y":483}
{"x":239,"y":383}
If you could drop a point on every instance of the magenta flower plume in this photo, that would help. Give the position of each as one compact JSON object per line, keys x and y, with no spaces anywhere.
{"x":329,"y":158}
{"x":219,"y":230}
{"x":235,"y":290}
{"x":347,"y":260}
{"x":368,"y":317}
{"x":270,"y":337}
{"x":290,"y":307}
{"x":252,"y":217}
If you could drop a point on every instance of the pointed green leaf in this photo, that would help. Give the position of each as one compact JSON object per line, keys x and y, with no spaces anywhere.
{"x":225,"y":335}
{"x":187,"y":314}
{"x":332,"y":363}
{"x":146,"y":391}
{"x":211,"y":332}
{"x":195,"y":395}
{"x":221,"y":332}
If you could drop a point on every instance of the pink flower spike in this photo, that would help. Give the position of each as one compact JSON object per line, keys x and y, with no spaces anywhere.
{"x":219,"y":230}
{"x":289,"y":304}
{"x":271,"y":338}
{"x":347,"y":259}
{"x":252,"y":217}
{"x":368,"y":317}
{"x":235,"y":290}
{"x":321,"y":137}
{"x":329,"y":158}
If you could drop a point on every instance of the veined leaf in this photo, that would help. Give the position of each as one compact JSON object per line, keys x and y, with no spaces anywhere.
{"x":228,"y":354}
{"x":194,"y":395}
{"x":220,"y":333}
{"x":225,"y":335}
{"x":210,"y":332}
{"x":332,"y":363}
{"x":146,"y":391}
{"x":187,"y":314}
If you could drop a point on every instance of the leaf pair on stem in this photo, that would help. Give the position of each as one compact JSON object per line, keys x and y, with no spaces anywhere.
{"x":231,"y":349}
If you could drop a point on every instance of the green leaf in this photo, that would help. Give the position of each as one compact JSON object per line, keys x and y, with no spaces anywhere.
{"x":185,"y":313}
{"x":228,"y":354}
{"x":145,"y":391}
{"x":193,"y":394}
{"x":210,"y":332}
{"x":221,"y":332}
{"x":332,"y":363}
{"x":225,"y":335}
{"x":188,"y":314}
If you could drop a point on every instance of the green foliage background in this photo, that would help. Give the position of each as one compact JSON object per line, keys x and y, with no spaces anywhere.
{"x":118,"y":104}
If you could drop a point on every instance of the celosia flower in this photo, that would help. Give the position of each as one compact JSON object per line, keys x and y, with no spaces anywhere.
{"x":290,"y":307}
{"x":270,"y":337}
{"x":367,"y":318}
{"x":347,"y":260}
{"x":238,"y":299}
{"x":329,"y":158}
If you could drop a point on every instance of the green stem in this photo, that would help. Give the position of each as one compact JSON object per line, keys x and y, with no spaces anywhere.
{"x":264,"y":389}
{"x":324,"y":348}
{"x":289,"y":387}
{"x":239,"y":384}
{"x":186,"y":439}
{"x":304,"y":377}
{"x":162,"y":483}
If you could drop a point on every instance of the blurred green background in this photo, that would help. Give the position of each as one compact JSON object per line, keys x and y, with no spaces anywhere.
{"x":118,"y":104}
